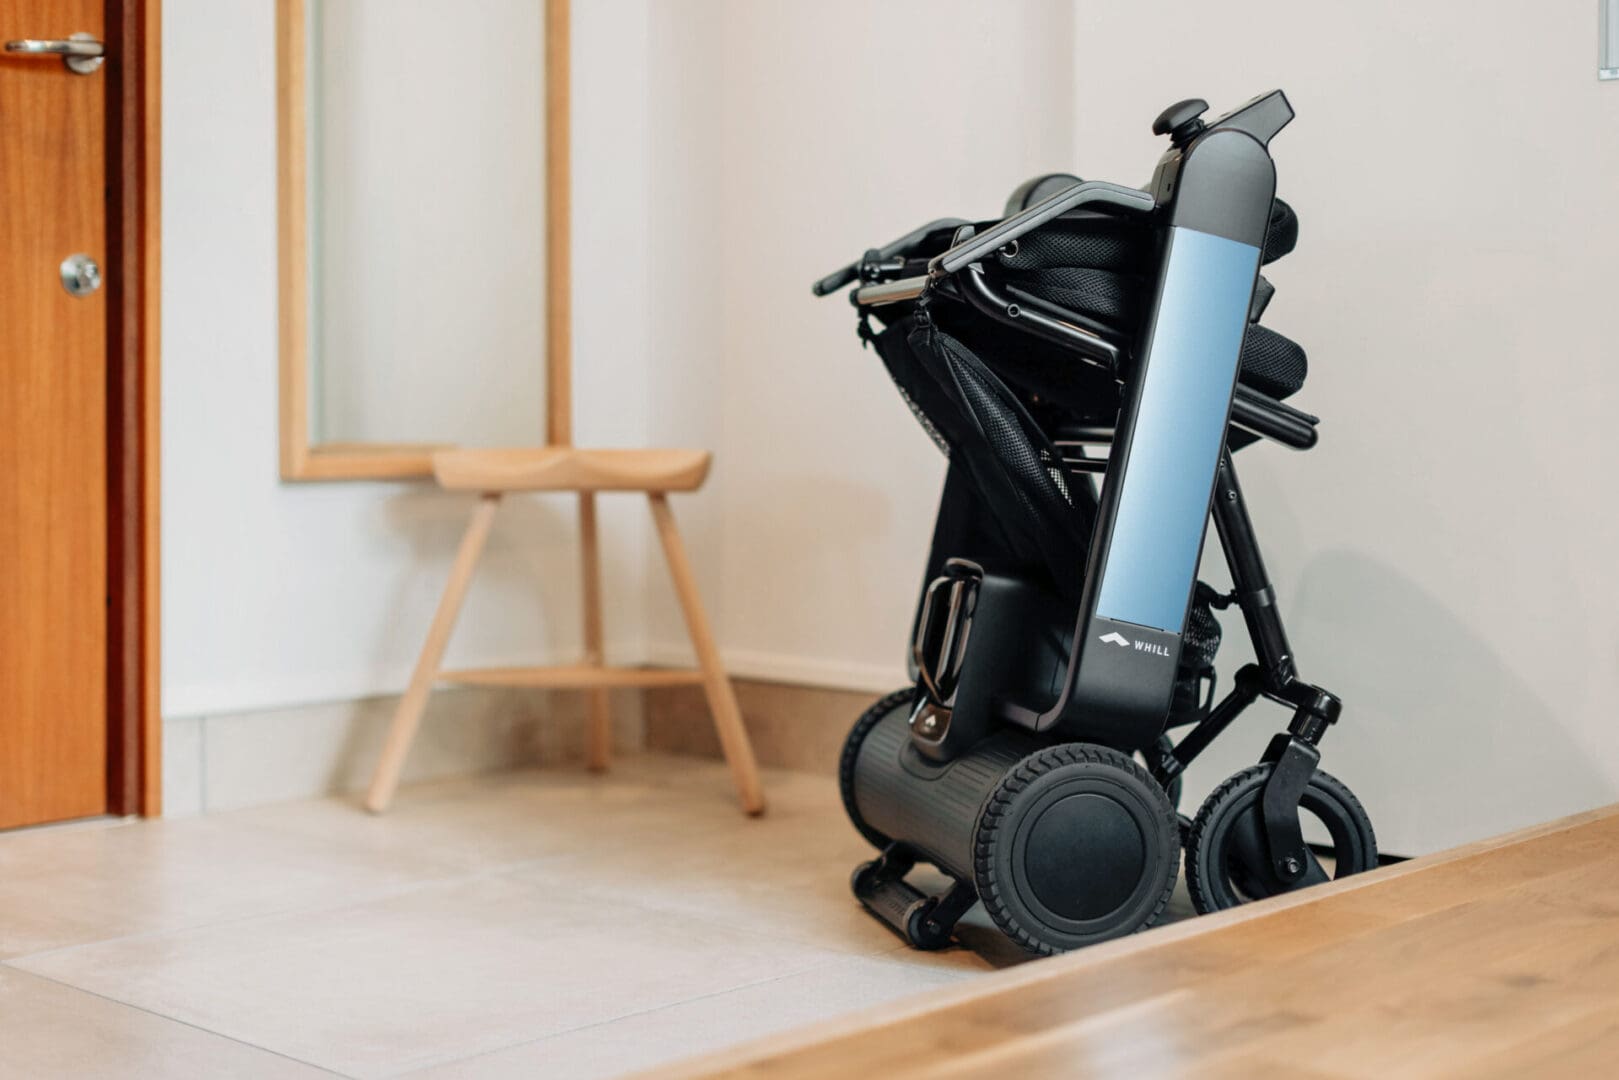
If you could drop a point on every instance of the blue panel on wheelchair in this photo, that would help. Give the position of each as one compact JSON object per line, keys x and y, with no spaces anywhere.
{"x":1179,"y":429}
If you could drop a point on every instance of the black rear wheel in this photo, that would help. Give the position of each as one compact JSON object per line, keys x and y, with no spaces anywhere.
{"x":1227,"y":858}
{"x":1077,"y":844}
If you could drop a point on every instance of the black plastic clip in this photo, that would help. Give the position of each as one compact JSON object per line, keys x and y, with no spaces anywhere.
{"x":864,"y":330}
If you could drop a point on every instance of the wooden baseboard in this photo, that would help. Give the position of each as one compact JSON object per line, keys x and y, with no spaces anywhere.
{"x":792,"y":727}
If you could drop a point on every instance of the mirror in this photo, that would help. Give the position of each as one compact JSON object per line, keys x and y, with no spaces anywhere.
{"x":414,"y":162}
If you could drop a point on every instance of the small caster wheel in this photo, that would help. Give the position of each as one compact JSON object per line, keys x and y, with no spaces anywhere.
{"x":1227,"y":859}
{"x":922,"y":930}
{"x":1076,"y":844}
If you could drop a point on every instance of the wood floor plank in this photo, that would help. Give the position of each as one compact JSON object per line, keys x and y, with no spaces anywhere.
{"x":1460,"y":959}
{"x":1588,"y":1046}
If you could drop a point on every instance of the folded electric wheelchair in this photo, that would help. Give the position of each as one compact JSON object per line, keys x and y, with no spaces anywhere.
{"x":1088,"y":364}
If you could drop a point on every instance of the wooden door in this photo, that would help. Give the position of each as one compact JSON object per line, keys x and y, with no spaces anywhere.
{"x":53,"y":425}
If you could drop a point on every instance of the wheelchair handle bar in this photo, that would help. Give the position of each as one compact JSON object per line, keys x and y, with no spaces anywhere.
{"x":1251,"y":410}
{"x":847,"y":275}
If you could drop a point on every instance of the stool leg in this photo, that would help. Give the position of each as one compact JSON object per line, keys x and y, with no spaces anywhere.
{"x":402,"y":732}
{"x":721,"y":697}
{"x":598,"y":720}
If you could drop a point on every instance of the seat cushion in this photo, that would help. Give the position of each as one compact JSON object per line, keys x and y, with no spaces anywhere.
{"x":569,"y":468}
{"x":1099,"y":265}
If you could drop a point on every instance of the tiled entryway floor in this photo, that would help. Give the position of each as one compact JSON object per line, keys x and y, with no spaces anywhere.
{"x":545,"y":923}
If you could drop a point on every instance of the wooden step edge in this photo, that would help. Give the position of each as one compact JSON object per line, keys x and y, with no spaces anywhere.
{"x":755,"y":1056}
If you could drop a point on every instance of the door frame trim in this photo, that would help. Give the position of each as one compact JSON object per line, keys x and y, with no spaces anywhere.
{"x":134,"y":190}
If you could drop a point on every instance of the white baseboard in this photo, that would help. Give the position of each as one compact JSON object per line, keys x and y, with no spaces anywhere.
{"x":321,"y":688}
{"x":239,"y":759}
{"x":786,"y":668}
{"x":238,"y":744}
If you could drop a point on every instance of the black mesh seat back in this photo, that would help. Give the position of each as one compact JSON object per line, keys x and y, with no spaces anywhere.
{"x":1280,"y":238}
{"x":1101,"y":266}
{"x":975,"y":385}
{"x":977,"y":419}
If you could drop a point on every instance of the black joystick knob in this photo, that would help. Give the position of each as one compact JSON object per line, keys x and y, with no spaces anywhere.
{"x":1181,"y":121}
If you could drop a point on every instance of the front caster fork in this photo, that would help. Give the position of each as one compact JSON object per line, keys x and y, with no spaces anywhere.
{"x":1293,"y":756}
{"x":924,"y":922}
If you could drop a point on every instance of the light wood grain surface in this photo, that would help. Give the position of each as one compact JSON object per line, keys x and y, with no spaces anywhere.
{"x":53,"y":426}
{"x":1500,"y":958}
{"x":564,"y":468}
{"x":409,"y":714}
{"x":733,"y":735}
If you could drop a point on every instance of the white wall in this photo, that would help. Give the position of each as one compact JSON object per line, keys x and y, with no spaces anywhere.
{"x":1445,"y":555}
{"x":790,"y":138}
{"x":276,"y":594}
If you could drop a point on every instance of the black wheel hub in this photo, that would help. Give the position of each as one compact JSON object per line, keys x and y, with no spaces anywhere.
{"x":1083,"y":855}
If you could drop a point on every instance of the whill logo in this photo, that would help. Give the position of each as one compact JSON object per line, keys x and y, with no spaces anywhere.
{"x":1116,"y":638}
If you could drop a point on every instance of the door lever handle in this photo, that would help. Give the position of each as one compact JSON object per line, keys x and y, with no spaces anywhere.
{"x":82,"y":54}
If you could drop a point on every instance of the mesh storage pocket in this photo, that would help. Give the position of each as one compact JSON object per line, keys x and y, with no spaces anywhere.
{"x":1202,"y":638}
{"x":1019,"y":471}
{"x":984,"y":427}
{"x":1199,"y":644}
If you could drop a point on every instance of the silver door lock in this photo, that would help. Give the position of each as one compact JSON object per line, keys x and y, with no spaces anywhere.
{"x":80,"y":275}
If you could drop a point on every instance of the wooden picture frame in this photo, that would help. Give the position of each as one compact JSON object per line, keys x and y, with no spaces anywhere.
{"x":300,"y":458}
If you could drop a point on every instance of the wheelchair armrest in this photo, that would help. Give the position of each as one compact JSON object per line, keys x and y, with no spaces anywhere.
{"x":1264,"y":415}
{"x":1091,"y":347}
{"x":993,"y":239}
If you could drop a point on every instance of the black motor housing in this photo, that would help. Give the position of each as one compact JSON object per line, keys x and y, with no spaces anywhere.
{"x":1066,"y":843}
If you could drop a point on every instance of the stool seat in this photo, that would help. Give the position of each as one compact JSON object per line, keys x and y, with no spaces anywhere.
{"x":569,"y":468}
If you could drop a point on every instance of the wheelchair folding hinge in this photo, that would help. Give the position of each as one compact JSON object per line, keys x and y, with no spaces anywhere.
{"x":1245,"y":691}
{"x":1293,"y":763}
{"x":1316,"y":711}
{"x":1165,"y":766}
{"x":940,"y":922}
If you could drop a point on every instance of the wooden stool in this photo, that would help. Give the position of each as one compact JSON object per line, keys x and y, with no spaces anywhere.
{"x":494,"y":473}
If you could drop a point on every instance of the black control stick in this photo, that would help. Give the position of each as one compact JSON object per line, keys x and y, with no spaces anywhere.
{"x":1181,"y":121}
